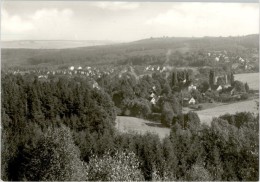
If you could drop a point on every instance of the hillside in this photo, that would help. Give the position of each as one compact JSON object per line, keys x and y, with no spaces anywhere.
{"x":52,"y":44}
{"x":147,"y":51}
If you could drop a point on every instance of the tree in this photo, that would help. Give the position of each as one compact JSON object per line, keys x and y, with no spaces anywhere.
{"x":246,"y":87}
{"x":211,"y":78}
{"x":198,"y":173}
{"x":174,"y":78}
{"x":166,"y":89}
{"x":55,"y":158}
{"x":232,"y":79}
{"x":221,"y":81}
{"x":167,"y":114}
{"x":239,"y":86}
{"x":203,"y":87}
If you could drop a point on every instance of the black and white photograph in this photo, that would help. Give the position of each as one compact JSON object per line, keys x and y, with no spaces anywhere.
{"x":129,"y":90}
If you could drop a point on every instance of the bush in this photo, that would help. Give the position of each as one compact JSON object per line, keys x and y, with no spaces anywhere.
{"x":155,"y":117}
{"x":200,"y":107}
{"x":244,"y":96}
{"x":225,"y":98}
{"x":122,"y":166}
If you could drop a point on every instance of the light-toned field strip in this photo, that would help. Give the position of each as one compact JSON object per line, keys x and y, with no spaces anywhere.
{"x":251,"y":78}
{"x":141,"y":126}
{"x":207,"y":114}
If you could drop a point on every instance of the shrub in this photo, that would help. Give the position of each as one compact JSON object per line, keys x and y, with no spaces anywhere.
{"x":122,"y":166}
{"x":200,"y":107}
{"x":155,"y":117}
{"x":244,"y":96}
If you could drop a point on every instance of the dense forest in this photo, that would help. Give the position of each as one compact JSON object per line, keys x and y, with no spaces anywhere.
{"x":64,"y":129}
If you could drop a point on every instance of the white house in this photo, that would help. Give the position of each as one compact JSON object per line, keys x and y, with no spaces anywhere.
{"x":153,"y":100}
{"x":192,"y":101}
{"x":164,"y":68}
{"x":217,"y":59}
{"x":154,"y":87}
{"x":219,"y":88}
{"x":241,"y":60}
{"x":71,"y":68}
{"x":79,"y":68}
{"x":95,"y":85}
{"x":152,"y":95}
{"x":192,"y":87}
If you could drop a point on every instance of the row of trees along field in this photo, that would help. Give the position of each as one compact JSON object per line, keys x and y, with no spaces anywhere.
{"x":64,"y":130}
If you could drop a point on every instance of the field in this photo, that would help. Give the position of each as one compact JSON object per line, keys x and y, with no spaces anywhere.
{"x":251,"y":78}
{"x":141,"y":126}
{"x":207,"y":114}
{"x":132,"y":124}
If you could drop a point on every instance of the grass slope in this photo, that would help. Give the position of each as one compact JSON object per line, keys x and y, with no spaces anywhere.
{"x":207,"y":115}
{"x":251,"y":78}
{"x":141,"y":126}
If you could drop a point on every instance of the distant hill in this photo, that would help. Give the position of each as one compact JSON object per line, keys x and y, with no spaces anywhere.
{"x":52,"y":44}
{"x":152,"y":50}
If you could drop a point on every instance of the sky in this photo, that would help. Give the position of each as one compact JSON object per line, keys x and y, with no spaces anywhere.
{"x":124,"y":21}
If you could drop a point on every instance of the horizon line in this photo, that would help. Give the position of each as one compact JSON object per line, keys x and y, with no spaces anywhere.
{"x":129,"y":40}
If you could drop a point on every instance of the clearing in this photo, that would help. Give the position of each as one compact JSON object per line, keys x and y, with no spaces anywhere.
{"x":140,"y":126}
{"x":206,"y":115}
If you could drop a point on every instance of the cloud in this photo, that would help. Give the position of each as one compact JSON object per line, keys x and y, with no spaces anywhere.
{"x":52,"y":13}
{"x":117,"y":5}
{"x":15,"y":24}
{"x":45,"y":22}
{"x":208,"y":18}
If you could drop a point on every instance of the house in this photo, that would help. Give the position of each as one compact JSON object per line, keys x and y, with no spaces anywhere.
{"x":192,"y":101}
{"x":219,"y":88}
{"x":226,"y":86}
{"x":241,"y":60}
{"x":95,"y":85}
{"x":217,"y":59}
{"x":164,"y":68}
{"x":154,"y":88}
{"x":152,"y":95}
{"x":153,"y":100}
{"x":192,"y":87}
{"x":71,"y":68}
{"x":185,"y":101}
{"x":226,"y":59}
{"x":79,"y":68}
{"x":43,"y":76}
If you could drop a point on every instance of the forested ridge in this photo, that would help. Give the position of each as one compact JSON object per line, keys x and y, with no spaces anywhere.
{"x":186,"y":51}
{"x":64,"y":129}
